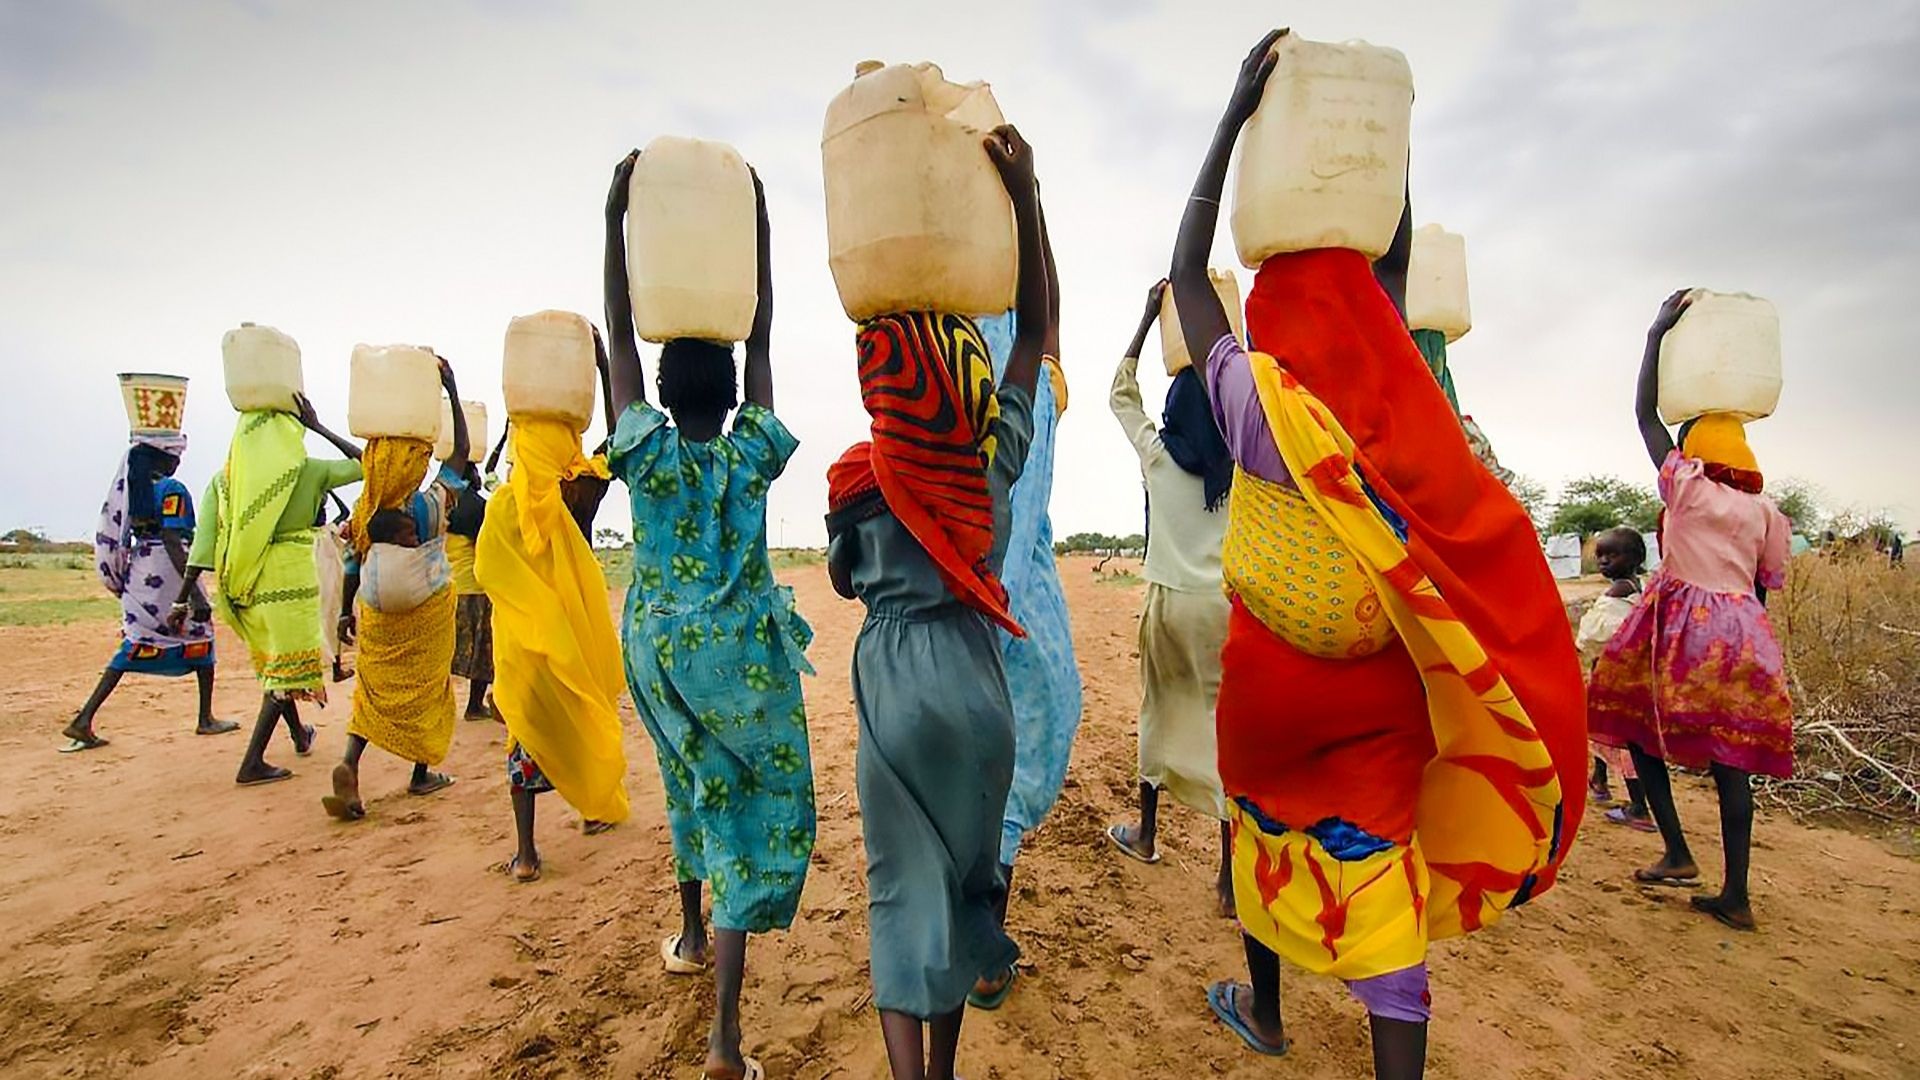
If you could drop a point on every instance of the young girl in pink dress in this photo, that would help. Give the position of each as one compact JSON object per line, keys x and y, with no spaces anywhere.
{"x":1695,"y":675}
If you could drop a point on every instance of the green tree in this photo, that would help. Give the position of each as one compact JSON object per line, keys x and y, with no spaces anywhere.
{"x":1594,"y":504}
{"x":1800,"y":501}
{"x":1533,"y":498}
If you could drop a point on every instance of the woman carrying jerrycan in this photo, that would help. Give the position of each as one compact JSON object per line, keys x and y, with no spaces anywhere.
{"x":1400,"y":723}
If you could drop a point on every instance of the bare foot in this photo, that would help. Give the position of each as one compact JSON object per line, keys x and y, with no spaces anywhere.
{"x":1679,"y":875}
{"x":1734,"y":916}
{"x":78,"y":731}
{"x":209,"y":726}
{"x":344,"y":804}
{"x":303,"y":742}
{"x":524,"y":873}
{"x":251,"y":775}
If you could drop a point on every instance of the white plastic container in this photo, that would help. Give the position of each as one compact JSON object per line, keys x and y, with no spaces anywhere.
{"x":1323,"y":162}
{"x":692,"y":243}
{"x":393,"y":391}
{"x":1722,"y":356}
{"x":1173,"y":343}
{"x":262,"y":369}
{"x":476,"y":430}
{"x":156,"y":404}
{"x":548,"y":369}
{"x":1437,"y":283}
{"x":917,"y":218}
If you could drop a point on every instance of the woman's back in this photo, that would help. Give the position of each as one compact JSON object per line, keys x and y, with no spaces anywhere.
{"x":1718,"y":537}
{"x":699,"y":508}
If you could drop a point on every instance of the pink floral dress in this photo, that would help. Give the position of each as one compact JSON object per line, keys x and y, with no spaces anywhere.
{"x":1695,"y":675}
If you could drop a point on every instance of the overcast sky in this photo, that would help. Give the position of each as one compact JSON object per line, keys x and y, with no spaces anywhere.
{"x":421,"y":172}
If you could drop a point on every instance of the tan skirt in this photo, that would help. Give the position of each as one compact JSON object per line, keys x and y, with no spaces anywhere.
{"x":1180,"y":638}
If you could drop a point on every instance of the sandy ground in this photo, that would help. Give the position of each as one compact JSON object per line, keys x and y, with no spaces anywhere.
{"x":159,"y":921}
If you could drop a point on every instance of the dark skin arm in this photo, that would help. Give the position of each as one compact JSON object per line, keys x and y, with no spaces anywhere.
{"x":759,"y":373}
{"x":1646,"y":399}
{"x":493,"y":459}
{"x":1014,"y":159}
{"x":628,"y":381}
{"x":462,"y":439}
{"x":606,"y":389}
{"x":310,"y":419}
{"x":1202,"y":319}
{"x":1051,"y":346}
{"x":840,"y":572}
{"x":349,"y":625}
{"x":1390,"y":269}
{"x":1147,"y":318}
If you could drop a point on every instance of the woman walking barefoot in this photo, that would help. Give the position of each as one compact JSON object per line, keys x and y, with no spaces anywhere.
{"x":714,"y":647}
{"x":917,"y":529}
{"x":258,"y":541}
{"x":1695,"y":675}
{"x":1188,"y":475}
{"x":140,"y":549}
{"x":558,"y":673}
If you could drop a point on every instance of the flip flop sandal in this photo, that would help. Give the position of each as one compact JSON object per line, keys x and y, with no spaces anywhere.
{"x":512,"y":869}
{"x":992,"y":1001}
{"x":1666,"y":881}
{"x":76,"y":746}
{"x":435,"y":782}
{"x":595,"y":828}
{"x":220,"y":727}
{"x":1113,"y":834}
{"x":1621,"y":817}
{"x":273,"y":777}
{"x":1220,"y":1000}
{"x":311,"y":733}
{"x":675,"y":963}
{"x":1710,"y":905}
{"x":754,"y":1071}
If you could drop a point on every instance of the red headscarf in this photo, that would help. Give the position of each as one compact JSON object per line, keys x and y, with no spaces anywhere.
{"x":927,"y":381}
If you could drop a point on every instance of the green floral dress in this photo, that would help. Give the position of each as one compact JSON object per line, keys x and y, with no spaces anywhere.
{"x":714,"y":653}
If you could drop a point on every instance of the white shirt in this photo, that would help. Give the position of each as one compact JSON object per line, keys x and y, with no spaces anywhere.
{"x":1183,"y":536}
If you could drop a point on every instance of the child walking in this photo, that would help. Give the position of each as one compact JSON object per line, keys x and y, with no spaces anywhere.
{"x":1622,"y":555}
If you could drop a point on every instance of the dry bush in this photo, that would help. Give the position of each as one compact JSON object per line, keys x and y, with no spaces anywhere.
{"x":1851,"y":629}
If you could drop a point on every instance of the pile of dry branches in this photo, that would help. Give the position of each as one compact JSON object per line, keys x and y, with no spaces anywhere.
{"x":1851,"y":628}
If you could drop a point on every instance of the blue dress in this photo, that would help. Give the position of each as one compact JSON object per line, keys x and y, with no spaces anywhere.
{"x":714,"y":653}
{"x":1042,"y":674}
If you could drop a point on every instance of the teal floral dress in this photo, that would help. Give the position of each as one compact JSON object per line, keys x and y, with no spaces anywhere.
{"x":714,"y":654}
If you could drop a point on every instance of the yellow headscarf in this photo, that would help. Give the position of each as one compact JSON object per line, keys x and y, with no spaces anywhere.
{"x":393,"y":468}
{"x":1720,"y":439}
{"x":558,"y":672}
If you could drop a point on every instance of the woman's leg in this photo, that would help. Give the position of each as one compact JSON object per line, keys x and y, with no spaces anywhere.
{"x":1736,"y":837}
{"x":992,"y":982}
{"x":204,"y":723}
{"x":477,"y":700}
{"x":943,"y":1043}
{"x":693,"y":928}
{"x":905,"y":1037}
{"x":1658,"y":786}
{"x":1223,"y":885}
{"x":253,"y":767}
{"x":724,"y":1059}
{"x":526,"y":859}
{"x":81,"y":727}
{"x":1263,"y":973}
{"x":301,"y":734}
{"x":1141,"y":838}
{"x":1399,"y":1048}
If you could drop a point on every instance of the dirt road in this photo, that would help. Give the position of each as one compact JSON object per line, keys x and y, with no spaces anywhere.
{"x":158,"y":921}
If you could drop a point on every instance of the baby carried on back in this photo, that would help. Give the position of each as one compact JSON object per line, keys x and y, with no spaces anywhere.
{"x":400,"y":572}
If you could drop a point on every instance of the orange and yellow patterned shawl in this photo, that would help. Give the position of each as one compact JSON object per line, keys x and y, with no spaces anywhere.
{"x":1354,"y":412}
